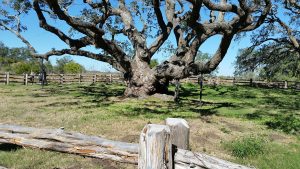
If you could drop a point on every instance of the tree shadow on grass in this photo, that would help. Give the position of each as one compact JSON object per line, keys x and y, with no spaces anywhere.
{"x":91,"y":96}
{"x":9,"y":147}
{"x":286,"y":102}
{"x":208,"y":108}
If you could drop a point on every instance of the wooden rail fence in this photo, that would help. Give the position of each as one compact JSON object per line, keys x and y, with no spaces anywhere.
{"x":160,"y":146}
{"x":26,"y":79}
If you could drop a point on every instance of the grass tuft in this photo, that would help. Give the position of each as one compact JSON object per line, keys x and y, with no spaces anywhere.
{"x":247,"y":147}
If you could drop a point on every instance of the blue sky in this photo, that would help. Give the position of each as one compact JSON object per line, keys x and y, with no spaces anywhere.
{"x":44,"y":41}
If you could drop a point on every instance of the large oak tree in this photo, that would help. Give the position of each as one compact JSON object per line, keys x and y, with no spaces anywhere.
{"x":129,"y":32}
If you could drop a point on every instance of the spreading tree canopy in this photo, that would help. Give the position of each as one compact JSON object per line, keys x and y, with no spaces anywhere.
{"x":276,"y":44}
{"x":127,"y":33}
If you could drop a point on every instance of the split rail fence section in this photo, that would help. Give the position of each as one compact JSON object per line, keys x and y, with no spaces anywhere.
{"x":26,"y":79}
{"x":62,"y":78}
{"x":160,"y":146}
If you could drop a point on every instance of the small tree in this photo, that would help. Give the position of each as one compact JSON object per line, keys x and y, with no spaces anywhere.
{"x":73,"y":67}
{"x":61,"y":63}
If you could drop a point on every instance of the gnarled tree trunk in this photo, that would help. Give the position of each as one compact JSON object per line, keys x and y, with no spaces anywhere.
{"x":142,"y":80}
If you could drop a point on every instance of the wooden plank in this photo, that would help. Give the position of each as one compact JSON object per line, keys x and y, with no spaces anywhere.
{"x":186,"y":159}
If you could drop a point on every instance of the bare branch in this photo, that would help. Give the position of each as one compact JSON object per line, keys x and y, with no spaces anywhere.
{"x":289,"y":31}
{"x":83,"y":27}
{"x":262,"y":17}
{"x":17,"y":33}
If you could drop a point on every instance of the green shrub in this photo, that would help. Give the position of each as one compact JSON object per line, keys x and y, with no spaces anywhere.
{"x":287,"y":123}
{"x":247,"y":147}
{"x":73,"y":67}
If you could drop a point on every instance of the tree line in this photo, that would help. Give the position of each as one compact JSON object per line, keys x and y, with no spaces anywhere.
{"x":20,"y":61}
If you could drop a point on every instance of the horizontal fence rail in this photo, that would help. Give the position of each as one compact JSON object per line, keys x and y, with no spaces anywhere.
{"x":26,"y":79}
{"x":160,"y":146}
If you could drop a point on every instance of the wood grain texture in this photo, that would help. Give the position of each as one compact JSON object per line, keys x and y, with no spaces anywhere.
{"x":180,"y":132}
{"x":155,"y":148}
{"x":185,"y":159}
{"x":69,"y":142}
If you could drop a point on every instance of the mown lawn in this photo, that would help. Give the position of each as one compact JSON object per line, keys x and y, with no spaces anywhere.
{"x":252,"y":126}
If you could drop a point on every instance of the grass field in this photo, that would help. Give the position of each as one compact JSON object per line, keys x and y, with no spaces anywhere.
{"x":257,"y":127}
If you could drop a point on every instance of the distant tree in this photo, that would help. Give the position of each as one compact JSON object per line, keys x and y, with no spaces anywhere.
{"x":60,"y":64}
{"x":18,"y":60}
{"x":73,"y":67}
{"x":67,"y":65}
{"x":25,"y":67}
{"x":272,"y":61}
{"x":49,"y":67}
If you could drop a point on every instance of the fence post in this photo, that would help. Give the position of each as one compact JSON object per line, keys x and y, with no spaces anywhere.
{"x":180,"y":132}
{"x":94,"y":79}
{"x":7,"y":78}
{"x":79,"y":78}
{"x":61,"y":78}
{"x":285,"y":84}
{"x":26,"y":79}
{"x":155,"y":149}
{"x":110,"y":78}
{"x":233,"y":81}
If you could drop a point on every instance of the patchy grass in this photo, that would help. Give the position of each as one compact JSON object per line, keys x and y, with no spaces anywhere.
{"x":287,"y":123}
{"x":227,"y":113}
{"x":247,"y":147}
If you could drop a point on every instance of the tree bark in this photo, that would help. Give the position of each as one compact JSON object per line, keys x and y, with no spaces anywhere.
{"x":144,"y":82}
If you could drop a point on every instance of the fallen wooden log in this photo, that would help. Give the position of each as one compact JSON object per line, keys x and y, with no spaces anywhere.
{"x":186,"y":159}
{"x":92,"y":146}
{"x":69,"y":142}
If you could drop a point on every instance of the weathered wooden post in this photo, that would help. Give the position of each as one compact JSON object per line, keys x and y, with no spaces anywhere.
{"x":26,"y":79}
{"x":7,"y":78}
{"x":61,"y":80}
{"x":233,"y":81}
{"x":110,"y":78}
{"x":94,"y":79}
{"x":180,"y":132}
{"x":155,"y":148}
{"x":285,"y":84}
{"x":79,"y":78}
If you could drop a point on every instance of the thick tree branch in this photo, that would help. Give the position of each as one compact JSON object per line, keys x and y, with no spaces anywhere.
{"x":289,"y":31}
{"x":17,"y":33}
{"x":219,"y":55}
{"x":262,"y":17}
{"x":223,"y":7}
{"x":76,"y":44}
{"x":83,"y":27}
